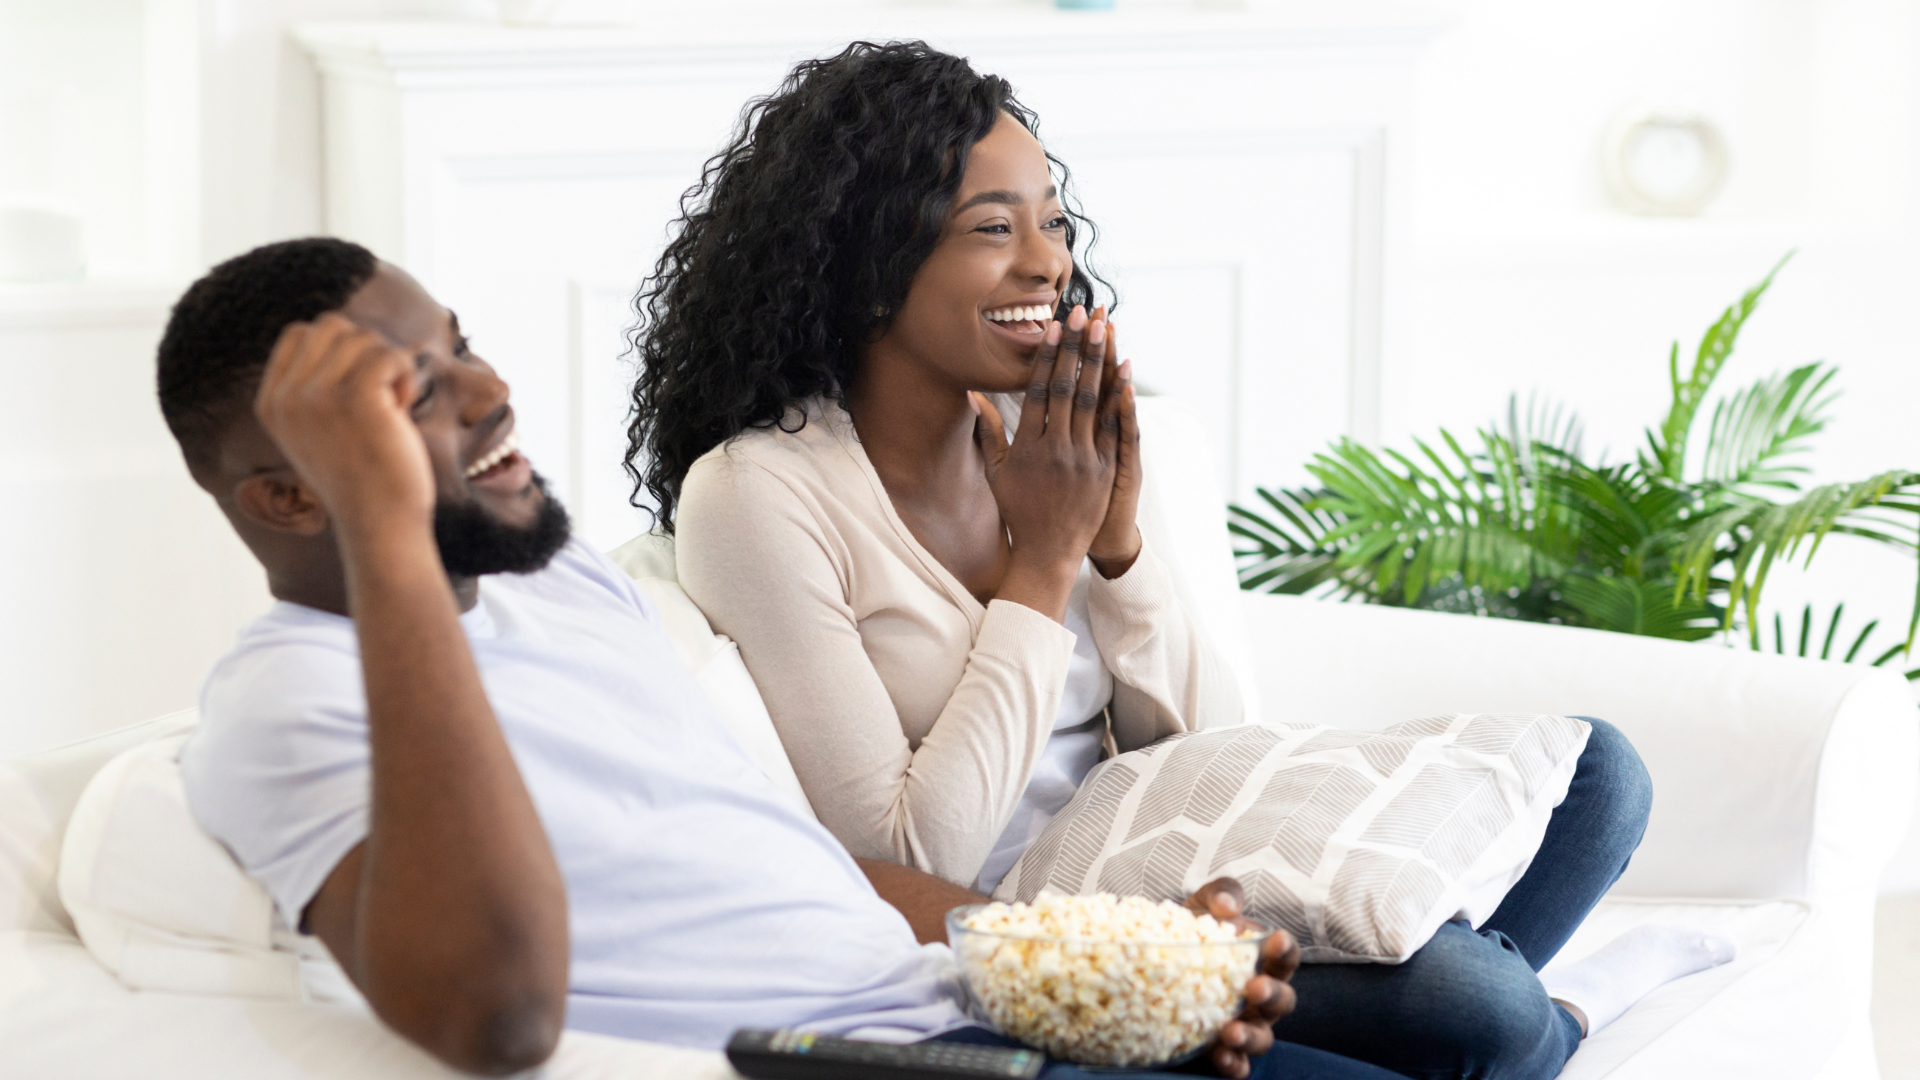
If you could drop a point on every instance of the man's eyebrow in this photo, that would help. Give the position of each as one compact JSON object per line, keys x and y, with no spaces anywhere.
{"x":1003,"y":197}
{"x":422,"y":358}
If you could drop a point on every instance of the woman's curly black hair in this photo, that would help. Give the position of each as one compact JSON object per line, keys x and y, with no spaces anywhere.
{"x":799,"y":241}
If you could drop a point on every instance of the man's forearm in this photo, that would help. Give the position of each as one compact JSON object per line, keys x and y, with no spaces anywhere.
{"x":921,"y":897}
{"x":461,"y":927}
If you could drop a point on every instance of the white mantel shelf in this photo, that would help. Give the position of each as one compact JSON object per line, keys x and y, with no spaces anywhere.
{"x":444,"y":50}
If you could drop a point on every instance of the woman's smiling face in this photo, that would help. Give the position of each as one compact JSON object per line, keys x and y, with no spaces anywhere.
{"x":980,"y":303}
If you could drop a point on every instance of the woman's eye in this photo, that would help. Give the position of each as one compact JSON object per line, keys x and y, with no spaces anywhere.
{"x":420,"y":402}
{"x":1057,"y":223}
{"x":997,"y":229}
{"x":463,"y":348}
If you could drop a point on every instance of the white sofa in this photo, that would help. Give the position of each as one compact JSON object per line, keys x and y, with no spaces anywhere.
{"x":1782,"y":787}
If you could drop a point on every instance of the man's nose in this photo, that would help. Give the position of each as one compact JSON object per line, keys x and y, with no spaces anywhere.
{"x":480,"y":391}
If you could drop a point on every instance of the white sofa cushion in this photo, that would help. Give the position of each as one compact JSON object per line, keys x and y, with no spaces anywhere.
{"x":1360,"y":844}
{"x":63,"y":1018}
{"x":37,"y":795}
{"x":159,"y":902}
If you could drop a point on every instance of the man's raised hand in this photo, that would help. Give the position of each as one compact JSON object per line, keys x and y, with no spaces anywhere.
{"x":1269,"y":995}
{"x":336,"y":398}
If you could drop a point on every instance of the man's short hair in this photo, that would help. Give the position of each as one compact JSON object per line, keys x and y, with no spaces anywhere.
{"x":223,"y":329}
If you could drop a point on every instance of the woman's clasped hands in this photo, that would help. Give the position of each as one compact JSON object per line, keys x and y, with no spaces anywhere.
{"x":1068,"y":483}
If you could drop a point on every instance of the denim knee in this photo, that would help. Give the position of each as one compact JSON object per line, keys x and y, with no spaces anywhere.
{"x":1466,"y":1005}
{"x":1614,"y":781}
{"x":1501,"y":1024}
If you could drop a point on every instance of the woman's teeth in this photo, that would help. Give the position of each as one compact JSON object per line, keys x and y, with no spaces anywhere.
{"x":495,"y":456}
{"x":1034,"y":312}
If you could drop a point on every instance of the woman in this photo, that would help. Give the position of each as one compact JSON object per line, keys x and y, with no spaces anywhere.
{"x":947,"y":624}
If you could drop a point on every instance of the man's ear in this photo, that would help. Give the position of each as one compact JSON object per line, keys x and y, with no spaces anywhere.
{"x":279,"y":501}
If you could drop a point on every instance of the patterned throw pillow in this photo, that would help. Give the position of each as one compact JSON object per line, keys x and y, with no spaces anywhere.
{"x":1359,"y":843}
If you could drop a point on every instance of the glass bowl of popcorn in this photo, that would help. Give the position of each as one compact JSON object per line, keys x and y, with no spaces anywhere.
{"x":1103,"y":980}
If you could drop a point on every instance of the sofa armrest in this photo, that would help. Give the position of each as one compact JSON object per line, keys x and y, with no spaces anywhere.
{"x":1773,"y":776}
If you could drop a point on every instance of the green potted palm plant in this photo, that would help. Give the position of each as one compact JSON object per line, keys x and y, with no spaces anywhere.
{"x":1518,"y":521}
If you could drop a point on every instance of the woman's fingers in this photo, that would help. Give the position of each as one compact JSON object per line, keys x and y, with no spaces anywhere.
{"x":1268,"y":999}
{"x":1064,"y":380}
{"x":1280,"y":955}
{"x":1106,"y":434}
{"x":1086,"y":396}
{"x":1033,"y":411}
{"x":1230,"y":1062}
{"x":1249,"y":1037}
{"x":1222,"y":898}
{"x":989,"y":431}
{"x":1129,"y":423}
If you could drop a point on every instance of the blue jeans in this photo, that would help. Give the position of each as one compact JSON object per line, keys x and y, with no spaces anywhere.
{"x":1468,"y":1004}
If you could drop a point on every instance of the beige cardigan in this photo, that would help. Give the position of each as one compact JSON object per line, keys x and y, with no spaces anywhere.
{"x":913,"y":715}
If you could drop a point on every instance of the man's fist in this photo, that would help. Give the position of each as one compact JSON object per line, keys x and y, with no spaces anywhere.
{"x":337,"y":399}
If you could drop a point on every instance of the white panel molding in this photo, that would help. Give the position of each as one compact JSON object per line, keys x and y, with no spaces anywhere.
{"x":508,"y":168}
{"x":520,"y":171}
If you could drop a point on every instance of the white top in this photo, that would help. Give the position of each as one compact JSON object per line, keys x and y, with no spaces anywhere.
{"x":698,"y":900}
{"x":1071,"y":751}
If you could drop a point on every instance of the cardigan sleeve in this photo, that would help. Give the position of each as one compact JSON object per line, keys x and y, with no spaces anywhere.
{"x":1167,"y":676}
{"x":768,"y":574}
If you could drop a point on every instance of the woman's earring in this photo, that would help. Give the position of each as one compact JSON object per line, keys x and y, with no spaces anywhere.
{"x":881,"y":311}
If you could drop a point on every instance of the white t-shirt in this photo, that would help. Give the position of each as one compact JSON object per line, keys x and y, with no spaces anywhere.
{"x":698,"y":902}
{"x":1071,"y":751}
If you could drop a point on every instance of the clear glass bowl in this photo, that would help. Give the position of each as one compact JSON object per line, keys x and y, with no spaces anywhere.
{"x":1129,"y":1004}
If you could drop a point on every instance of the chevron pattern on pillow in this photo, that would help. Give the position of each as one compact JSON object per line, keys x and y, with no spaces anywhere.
{"x":1359,"y":843}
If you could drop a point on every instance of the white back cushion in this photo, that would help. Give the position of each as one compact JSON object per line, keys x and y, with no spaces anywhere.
{"x":37,"y":795}
{"x":1183,"y":515}
{"x":159,"y":902}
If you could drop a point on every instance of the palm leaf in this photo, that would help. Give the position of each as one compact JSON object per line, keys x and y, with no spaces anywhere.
{"x":1282,"y":551}
{"x":1669,"y":444}
{"x":1751,"y":536}
{"x":1754,"y":428}
{"x":1610,"y":602}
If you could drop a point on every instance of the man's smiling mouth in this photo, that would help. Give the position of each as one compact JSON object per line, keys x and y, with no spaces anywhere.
{"x":495,"y":456}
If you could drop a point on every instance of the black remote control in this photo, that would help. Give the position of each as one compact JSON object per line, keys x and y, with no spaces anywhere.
{"x":798,"y":1055}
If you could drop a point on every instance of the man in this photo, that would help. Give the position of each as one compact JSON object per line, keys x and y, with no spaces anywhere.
{"x":459,"y":748}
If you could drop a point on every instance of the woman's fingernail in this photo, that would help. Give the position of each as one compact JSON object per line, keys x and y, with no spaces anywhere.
{"x":1077,"y":318}
{"x":1126,"y":370}
{"x":1097,"y":333}
{"x":1053,"y":333}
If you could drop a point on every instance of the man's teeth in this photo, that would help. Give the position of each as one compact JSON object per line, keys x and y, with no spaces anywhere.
{"x":1035,"y":312}
{"x":495,"y":456}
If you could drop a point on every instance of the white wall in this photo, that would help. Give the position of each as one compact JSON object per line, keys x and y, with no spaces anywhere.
{"x":1521,"y":276}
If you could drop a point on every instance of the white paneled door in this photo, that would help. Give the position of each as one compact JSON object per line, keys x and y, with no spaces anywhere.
{"x":1242,"y":169}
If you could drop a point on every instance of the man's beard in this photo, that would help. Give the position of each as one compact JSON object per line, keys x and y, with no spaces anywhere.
{"x":474,"y":542}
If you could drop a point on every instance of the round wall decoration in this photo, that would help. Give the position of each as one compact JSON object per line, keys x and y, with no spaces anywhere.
{"x":1663,"y":162}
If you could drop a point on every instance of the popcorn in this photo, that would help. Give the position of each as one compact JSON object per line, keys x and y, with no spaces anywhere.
{"x":1104,"y":980}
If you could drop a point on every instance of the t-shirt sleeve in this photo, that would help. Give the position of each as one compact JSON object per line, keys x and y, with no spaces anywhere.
{"x":278,"y":769}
